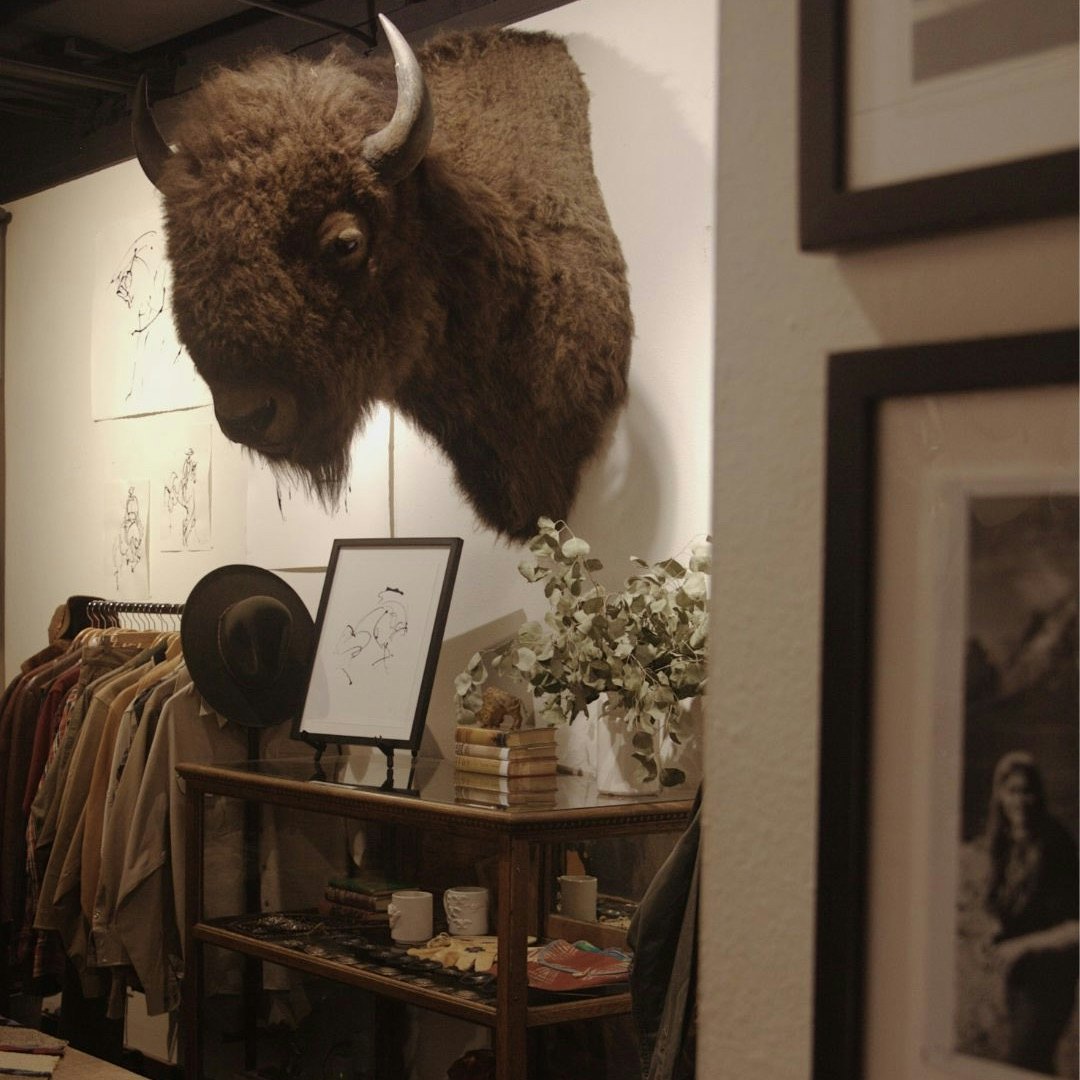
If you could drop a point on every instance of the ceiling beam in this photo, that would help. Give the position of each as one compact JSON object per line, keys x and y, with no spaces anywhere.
{"x":49,"y":155}
{"x":25,"y":71}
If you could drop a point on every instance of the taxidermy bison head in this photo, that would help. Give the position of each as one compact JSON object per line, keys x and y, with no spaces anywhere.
{"x":429,"y":234}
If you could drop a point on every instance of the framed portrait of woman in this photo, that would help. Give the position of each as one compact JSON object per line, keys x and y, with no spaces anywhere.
{"x":948,"y":940}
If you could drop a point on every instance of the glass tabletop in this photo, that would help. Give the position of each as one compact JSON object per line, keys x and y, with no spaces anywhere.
{"x":437,"y":782}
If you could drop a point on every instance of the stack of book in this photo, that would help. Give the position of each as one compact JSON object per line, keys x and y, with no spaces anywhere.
{"x":363,"y":900}
{"x":503,"y":768}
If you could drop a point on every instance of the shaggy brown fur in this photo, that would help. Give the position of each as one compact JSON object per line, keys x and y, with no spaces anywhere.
{"x":489,"y":301}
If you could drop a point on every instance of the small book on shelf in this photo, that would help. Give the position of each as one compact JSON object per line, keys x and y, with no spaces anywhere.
{"x":532,"y":766}
{"x":485,"y":736}
{"x":505,"y":753}
{"x":351,"y":911}
{"x":362,"y":901}
{"x":368,"y":886}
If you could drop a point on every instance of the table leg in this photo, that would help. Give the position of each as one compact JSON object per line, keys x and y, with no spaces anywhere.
{"x":512,"y":997}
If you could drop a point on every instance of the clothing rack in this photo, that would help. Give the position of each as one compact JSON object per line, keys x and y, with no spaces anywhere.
{"x":101,"y":611}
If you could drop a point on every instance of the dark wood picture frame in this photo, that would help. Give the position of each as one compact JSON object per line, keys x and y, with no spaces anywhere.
{"x":405,"y":729}
{"x":832,"y":216}
{"x":859,"y":384}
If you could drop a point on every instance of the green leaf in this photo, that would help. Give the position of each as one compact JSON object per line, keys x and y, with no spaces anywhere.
{"x":670,"y":566}
{"x":672,"y":777}
{"x":648,"y":763}
{"x":643,"y":740}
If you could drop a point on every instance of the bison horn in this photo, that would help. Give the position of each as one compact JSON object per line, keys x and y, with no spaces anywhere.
{"x":150,"y":146}
{"x":399,"y":147}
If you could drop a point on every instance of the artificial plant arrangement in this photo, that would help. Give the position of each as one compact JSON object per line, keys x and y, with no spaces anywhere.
{"x":644,"y":645}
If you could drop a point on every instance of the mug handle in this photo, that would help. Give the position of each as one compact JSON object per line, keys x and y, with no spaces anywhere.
{"x":394,"y":913}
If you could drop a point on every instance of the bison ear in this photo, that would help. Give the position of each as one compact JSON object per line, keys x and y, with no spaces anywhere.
{"x":399,"y":147}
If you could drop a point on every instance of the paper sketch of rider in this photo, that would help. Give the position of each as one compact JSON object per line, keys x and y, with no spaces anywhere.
{"x":128,"y":544}
{"x":372,"y":635}
{"x":180,"y":493}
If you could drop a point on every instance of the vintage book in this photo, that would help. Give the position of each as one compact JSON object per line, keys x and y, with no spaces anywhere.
{"x":494,"y":782}
{"x":363,"y":901}
{"x":499,"y":767}
{"x":513,"y":797}
{"x":473,"y":733}
{"x":505,"y":753}
{"x":351,"y":911}
{"x":369,"y":886}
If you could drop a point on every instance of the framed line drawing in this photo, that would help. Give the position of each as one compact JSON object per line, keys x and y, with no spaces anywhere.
{"x":934,"y":115}
{"x":949,"y":673}
{"x":378,"y":634}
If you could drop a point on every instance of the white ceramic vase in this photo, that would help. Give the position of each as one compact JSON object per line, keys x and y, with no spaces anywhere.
{"x":618,"y":772}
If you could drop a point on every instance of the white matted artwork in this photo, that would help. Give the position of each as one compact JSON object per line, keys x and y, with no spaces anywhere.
{"x":937,"y":86}
{"x":182,"y":491}
{"x":289,"y":527}
{"x":379,"y":630}
{"x":137,"y":364}
{"x":126,"y":516}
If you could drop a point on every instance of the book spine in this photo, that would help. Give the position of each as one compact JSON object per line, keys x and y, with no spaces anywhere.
{"x":350,"y":911}
{"x":480,"y":735}
{"x":367,"y":888}
{"x":505,"y":753}
{"x":355,"y":899}
{"x":500,"y":767}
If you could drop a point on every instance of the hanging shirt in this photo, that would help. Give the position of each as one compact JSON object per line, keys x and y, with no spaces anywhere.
{"x":132,"y":747}
{"x":298,"y":852}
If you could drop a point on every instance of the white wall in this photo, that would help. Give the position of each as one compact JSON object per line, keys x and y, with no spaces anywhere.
{"x":652,"y":108}
{"x":778,"y":314}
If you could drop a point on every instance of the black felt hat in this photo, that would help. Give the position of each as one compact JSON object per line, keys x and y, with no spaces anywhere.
{"x":248,"y":642}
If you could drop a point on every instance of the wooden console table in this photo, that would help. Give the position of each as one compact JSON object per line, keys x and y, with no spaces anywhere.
{"x":519,"y":836}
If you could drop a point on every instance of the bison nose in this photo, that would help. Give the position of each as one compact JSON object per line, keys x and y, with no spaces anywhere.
{"x":251,"y":427}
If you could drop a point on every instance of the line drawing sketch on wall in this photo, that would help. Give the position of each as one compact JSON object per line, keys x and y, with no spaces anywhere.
{"x":126,"y":527}
{"x":179,"y":495}
{"x":137,"y":363}
{"x":139,"y":283}
{"x":182,"y":488}
{"x":368,"y":642}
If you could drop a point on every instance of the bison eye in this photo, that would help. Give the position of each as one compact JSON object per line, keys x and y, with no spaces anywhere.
{"x":343,"y":240}
{"x":347,"y":242}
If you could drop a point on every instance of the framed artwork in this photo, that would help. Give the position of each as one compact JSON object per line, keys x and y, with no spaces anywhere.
{"x":933,"y":115}
{"x":946,"y":926}
{"x":379,"y":630}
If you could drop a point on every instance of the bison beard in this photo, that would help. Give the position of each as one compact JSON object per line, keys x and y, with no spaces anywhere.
{"x":328,"y":252}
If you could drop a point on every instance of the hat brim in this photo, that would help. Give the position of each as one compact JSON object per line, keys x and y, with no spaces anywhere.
{"x":205,"y":605}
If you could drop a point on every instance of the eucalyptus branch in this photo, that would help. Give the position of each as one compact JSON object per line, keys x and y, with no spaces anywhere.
{"x":644,"y":646}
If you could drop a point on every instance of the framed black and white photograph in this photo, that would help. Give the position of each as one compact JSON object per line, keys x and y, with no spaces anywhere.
{"x":931,"y":115}
{"x":947,"y":937}
{"x":378,"y":634}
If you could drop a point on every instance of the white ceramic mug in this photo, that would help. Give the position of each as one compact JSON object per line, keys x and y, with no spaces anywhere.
{"x":578,"y":896}
{"x":466,"y":908}
{"x":410,"y":912}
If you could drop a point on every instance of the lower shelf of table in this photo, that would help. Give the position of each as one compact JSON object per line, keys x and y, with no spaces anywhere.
{"x":477,"y":1008}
